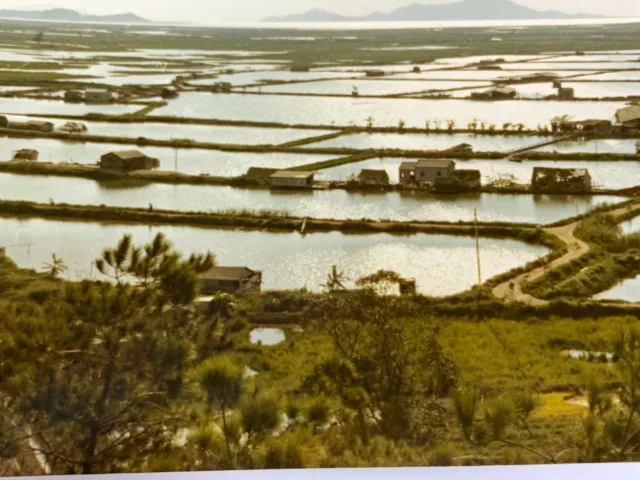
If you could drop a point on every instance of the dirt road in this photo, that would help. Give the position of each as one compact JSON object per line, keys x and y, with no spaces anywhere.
{"x":511,"y":291}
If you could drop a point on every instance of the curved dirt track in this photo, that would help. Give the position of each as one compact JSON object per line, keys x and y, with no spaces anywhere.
{"x":511,"y":290}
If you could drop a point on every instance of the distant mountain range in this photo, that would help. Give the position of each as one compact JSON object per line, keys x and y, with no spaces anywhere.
{"x":66,"y":15}
{"x":464,"y":10}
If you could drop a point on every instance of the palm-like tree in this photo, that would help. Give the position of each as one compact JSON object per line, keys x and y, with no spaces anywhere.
{"x":369,"y":122}
{"x":56,"y":267}
{"x":451,"y":124}
{"x":335,"y":280}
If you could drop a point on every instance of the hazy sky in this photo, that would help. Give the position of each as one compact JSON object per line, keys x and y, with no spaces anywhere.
{"x":216,"y":11}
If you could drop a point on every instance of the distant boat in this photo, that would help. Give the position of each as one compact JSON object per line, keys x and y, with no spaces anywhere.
{"x":515,"y":160}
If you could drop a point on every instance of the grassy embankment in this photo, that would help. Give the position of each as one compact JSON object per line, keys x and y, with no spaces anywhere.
{"x":612,"y":257}
{"x":267,"y":219}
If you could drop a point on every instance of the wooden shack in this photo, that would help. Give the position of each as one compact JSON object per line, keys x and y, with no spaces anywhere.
{"x":33,"y":125}
{"x":73,"y":127}
{"x":375,"y":73}
{"x":126,"y":160}
{"x":95,"y":95}
{"x":4,"y":121}
{"x":459,"y":181}
{"x":222,"y":87}
{"x":292,"y":179}
{"x":566,"y":93}
{"x":595,"y":125}
{"x":169,"y":92}
{"x":260,"y":174}
{"x":425,"y":171}
{"x":629,"y":116}
{"x":373,"y":177}
{"x":74,"y":96}
{"x":26,"y":154}
{"x":230,"y":280}
{"x":561,"y":180}
{"x":496,"y":93}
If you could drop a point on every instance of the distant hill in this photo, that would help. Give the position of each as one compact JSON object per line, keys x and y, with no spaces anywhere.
{"x":463,"y":10}
{"x":63,"y":14}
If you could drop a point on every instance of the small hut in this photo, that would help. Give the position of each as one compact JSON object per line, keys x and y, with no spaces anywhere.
{"x":292,"y":179}
{"x":373,"y":177}
{"x":459,"y":181}
{"x":629,"y":116}
{"x":169,"y":92}
{"x":230,"y":280}
{"x":566,"y":93}
{"x":128,"y":160}
{"x":375,"y":73}
{"x":74,"y":96}
{"x":34,"y":125}
{"x":561,"y":180}
{"x":96,"y":95}
{"x":26,"y":155}
{"x":222,"y":87}
{"x":4,"y":121}
{"x":496,"y":93}
{"x":73,"y":127}
{"x":260,"y":174}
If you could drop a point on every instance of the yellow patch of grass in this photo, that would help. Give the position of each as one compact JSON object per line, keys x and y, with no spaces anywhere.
{"x":554,"y":405}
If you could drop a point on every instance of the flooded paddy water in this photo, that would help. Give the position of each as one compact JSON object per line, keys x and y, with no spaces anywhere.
{"x":582,"y":89}
{"x":339,"y":204}
{"x":221,"y":134}
{"x":608,"y":145}
{"x":385,"y":112}
{"x":250,"y":78}
{"x":57,"y":107}
{"x":626,"y":291}
{"x":432,"y":141}
{"x":440,"y":264}
{"x":366,"y":87}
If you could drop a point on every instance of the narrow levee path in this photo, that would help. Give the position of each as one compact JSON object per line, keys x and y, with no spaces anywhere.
{"x":511,"y":290}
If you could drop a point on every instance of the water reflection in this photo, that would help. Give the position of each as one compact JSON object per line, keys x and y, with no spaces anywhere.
{"x":339,"y":204}
{"x":441,"y":264}
{"x":344,"y":111}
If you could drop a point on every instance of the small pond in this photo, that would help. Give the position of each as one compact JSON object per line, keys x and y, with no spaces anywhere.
{"x":267,"y":336}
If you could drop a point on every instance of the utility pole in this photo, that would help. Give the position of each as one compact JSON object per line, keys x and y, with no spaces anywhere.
{"x":475,"y":217}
